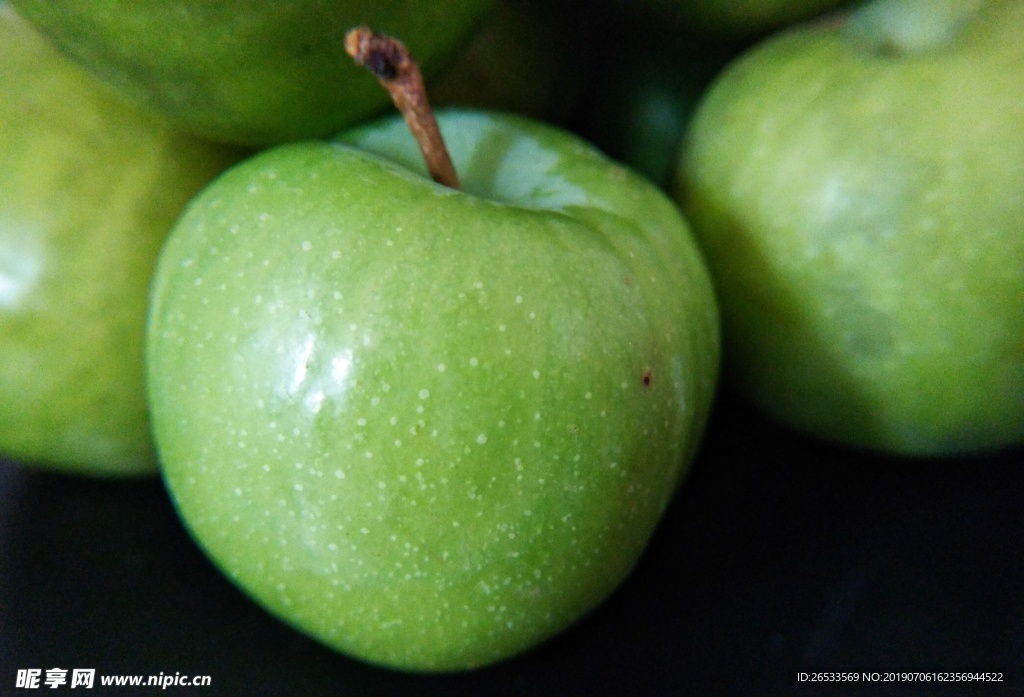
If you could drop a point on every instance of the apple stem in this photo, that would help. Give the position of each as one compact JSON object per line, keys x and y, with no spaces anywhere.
{"x":389,"y":59}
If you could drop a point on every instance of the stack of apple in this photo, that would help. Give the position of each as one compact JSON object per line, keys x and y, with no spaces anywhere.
{"x":431,"y":427}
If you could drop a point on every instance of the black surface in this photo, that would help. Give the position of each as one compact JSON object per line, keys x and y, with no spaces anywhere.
{"x":780,"y":555}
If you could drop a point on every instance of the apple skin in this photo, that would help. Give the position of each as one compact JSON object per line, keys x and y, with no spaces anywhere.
{"x":429,"y":428}
{"x":248,"y":72}
{"x":91,"y":187}
{"x":859,"y":202}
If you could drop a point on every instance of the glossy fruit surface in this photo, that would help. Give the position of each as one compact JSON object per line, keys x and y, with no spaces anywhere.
{"x":430,"y":428}
{"x":248,"y":72}
{"x":857,"y":190}
{"x":89,"y":188}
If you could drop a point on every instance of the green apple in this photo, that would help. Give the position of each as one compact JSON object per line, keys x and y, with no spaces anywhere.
{"x":91,"y":187}
{"x":429,"y":427}
{"x":857,"y":188}
{"x":244,"y":71}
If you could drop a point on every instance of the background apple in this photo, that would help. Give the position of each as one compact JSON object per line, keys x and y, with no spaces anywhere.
{"x":89,"y":188}
{"x":248,"y":72}
{"x":430,"y":428}
{"x":857,"y":190}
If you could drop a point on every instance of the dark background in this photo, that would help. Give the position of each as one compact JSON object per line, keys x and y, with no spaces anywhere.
{"x":780,"y":554}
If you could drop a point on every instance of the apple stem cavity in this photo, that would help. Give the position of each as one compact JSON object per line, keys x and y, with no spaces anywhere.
{"x":389,"y":59}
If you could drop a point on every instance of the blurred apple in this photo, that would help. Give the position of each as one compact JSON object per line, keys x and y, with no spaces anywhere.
{"x":858,"y":189}
{"x":89,"y":187}
{"x":249,"y":72}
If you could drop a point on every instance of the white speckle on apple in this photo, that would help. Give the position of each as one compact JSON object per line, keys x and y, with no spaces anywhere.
{"x":360,"y":421}
{"x":441,"y":367}
{"x":481,"y":439}
{"x":474,"y":361}
{"x":536,"y":375}
{"x":339,"y":474}
{"x":424,"y":393}
{"x":519,"y":300}
{"x":298,"y":487}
